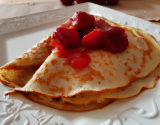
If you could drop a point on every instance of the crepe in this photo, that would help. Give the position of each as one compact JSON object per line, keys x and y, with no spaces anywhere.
{"x":19,"y":71}
{"x":107,"y":77}
{"x":105,"y":71}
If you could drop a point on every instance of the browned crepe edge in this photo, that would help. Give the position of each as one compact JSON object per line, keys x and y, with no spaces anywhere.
{"x":48,"y":101}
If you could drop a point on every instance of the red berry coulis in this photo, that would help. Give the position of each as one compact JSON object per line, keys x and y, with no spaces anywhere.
{"x":87,"y":33}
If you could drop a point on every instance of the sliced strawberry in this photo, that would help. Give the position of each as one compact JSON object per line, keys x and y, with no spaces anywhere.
{"x":116,"y":45}
{"x":66,"y":37}
{"x":56,"y":44}
{"x":76,"y":58}
{"x":85,"y":32}
{"x":82,"y":20}
{"x":104,"y":26}
{"x":94,"y":39}
{"x":115,"y":31}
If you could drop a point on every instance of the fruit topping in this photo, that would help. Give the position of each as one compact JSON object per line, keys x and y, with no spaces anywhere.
{"x":82,"y":20}
{"x":67,"y":2}
{"x":85,"y":31}
{"x":88,"y":30}
{"x":116,"y":44}
{"x":81,"y":33}
{"x":66,"y":37}
{"x":99,"y":1}
{"x":103,"y":25}
{"x":94,"y":39}
{"x":76,"y":58}
{"x":80,"y":61}
{"x":112,"y":2}
{"x":82,"y":1}
{"x":115,"y":31}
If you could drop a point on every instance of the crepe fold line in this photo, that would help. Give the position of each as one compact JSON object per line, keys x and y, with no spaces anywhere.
{"x":108,"y":76}
{"x":19,"y":71}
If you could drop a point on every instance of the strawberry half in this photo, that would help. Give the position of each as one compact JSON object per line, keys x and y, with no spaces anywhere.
{"x":94,"y":39}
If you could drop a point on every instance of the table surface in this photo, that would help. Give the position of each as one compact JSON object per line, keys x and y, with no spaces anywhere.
{"x":18,"y":1}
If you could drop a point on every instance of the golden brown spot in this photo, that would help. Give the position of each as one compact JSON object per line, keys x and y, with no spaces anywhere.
{"x":46,"y":69}
{"x":109,"y":56}
{"x":51,"y":76}
{"x":132,"y":46}
{"x":62,"y":77}
{"x":106,"y":64}
{"x":40,"y":80}
{"x":65,"y":63}
{"x":86,"y":77}
{"x":143,"y":61}
{"x":110,"y":73}
{"x":38,"y":75}
{"x":126,"y":64}
{"x":134,"y":58}
{"x":117,"y":56}
{"x":111,"y":63}
{"x":139,"y":41}
{"x":56,"y":89}
{"x":100,"y":65}
{"x":125,"y":73}
{"x":54,"y":61}
{"x":128,"y":59}
{"x":128,"y":69}
{"x":114,"y":68}
{"x":96,"y":61}
{"x":127,"y":51}
{"x":138,"y":71}
{"x":59,"y":74}
{"x":89,"y":76}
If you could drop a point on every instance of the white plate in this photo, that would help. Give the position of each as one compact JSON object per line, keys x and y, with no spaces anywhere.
{"x":17,"y":110}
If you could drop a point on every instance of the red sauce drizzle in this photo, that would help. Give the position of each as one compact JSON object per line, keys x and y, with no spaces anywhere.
{"x":86,"y":33}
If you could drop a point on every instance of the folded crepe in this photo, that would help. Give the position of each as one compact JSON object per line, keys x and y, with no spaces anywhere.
{"x":108,"y":76}
{"x":19,"y":71}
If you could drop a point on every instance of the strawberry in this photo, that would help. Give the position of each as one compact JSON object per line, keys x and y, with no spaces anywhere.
{"x":94,"y":39}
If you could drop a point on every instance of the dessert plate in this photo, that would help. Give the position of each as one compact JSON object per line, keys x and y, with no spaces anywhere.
{"x":21,"y":33}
